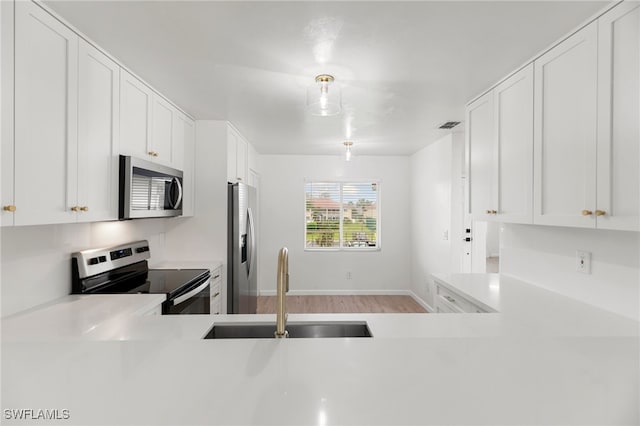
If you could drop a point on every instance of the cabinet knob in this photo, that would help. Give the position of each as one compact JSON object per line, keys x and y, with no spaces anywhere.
{"x":494,"y":212}
{"x":84,"y":208}
{"x":9,"y":208}
{"x":587,"y":212}
{"x":488,"y":211}
{"x":152,"y":153}
{"x":600,"y":212}
{"x":75,"y":209}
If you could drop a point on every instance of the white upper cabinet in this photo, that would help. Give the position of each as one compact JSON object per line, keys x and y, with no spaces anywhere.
{"x":184,"y":136}
{"x":162,"y":135}
{"x":46,"y":93}
{"x":565,"y":131}
{"x":618,"y":171}
{"x":237,"y":157}
{"x":98,"y":103}
{"x":479,"y":153}
{"x":6,"y":111}
{"x":513,"y":150}
{"x":499,"y":149}
{"x":147,"y":120}
{"x":136,"y":100}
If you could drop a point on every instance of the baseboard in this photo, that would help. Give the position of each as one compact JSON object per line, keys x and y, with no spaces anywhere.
{"x":339,"y":292}
{"x":420,"y":301}
{"x":352,"y":292}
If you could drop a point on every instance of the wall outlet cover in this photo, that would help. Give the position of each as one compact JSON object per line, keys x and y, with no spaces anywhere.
{"x":583,"y":262}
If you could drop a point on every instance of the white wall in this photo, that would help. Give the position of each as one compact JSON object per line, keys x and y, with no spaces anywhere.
{"x":546,"y":256}
{"x":36,"y":261}
{"x":203,"y":237}
{"x":436,"y":195}
{"x":283,"y":220}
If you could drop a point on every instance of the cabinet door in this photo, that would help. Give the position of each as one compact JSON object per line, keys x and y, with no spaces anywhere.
{"x":180,"y":123}
{"x":98,"y":101}
{"x":162,"y":131}
{"x":618,"y":196}
{"x":232,"y":156}
{"x":187,"y":127}
{"x":241,"y":160}
{"x":135,"y":117}
{"x":46,"y":81}
{"x":514,"y":147}
{"x":565,"y":132}
{"x":481,"y":173}
{"x":6,"y":111}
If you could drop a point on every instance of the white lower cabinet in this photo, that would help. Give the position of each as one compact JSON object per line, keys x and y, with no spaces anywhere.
{"x":216,"y":291}
{"x":449,"y":301}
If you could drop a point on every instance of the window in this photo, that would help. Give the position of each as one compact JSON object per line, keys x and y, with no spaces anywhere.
{"x":342,"y":215}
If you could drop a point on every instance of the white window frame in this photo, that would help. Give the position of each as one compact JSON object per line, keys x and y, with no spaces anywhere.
{"x":342,"y":247}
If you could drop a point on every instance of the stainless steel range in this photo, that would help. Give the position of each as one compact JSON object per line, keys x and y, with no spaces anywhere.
{"x":124,"y":269}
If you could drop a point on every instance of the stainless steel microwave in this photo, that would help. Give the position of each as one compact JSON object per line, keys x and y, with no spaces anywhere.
{"x":148,"y":189}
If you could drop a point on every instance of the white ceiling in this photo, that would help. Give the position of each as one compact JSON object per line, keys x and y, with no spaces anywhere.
{"x":404,"y":67}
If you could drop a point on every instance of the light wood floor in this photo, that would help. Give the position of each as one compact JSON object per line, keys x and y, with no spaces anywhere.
{"x":342,"y":304}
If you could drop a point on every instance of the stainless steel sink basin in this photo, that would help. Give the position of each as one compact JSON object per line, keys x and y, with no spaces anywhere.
{"x":295,"y":329}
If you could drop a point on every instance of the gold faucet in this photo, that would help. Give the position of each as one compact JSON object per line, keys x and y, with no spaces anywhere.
{"x":283,"y":288}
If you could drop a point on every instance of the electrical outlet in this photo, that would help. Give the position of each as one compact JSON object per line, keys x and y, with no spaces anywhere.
{"x":445,"y":235}
{"x":349,"y":275}
{"x":583,"y":262}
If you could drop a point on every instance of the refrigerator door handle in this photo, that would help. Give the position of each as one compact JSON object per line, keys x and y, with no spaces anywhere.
{"x":251,"y":243}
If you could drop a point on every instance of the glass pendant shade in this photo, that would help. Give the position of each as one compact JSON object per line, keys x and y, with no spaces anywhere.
{"x":323,"y":97}
{"x":347,"y":154}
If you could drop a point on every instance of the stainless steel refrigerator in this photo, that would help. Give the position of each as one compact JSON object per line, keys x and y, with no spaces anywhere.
{"x":242,"y":261}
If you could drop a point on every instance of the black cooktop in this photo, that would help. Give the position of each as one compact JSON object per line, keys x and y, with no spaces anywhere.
{"x":169,"y":281}
{"x":136,"y":278}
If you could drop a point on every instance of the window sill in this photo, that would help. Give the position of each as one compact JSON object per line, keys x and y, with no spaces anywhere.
{"x":344,"y":249}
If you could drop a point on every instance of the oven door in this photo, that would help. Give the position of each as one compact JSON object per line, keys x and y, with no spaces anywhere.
{"x":194,"y":301}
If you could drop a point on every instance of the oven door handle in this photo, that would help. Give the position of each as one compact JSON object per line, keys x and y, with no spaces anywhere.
{"x":191,"y":293}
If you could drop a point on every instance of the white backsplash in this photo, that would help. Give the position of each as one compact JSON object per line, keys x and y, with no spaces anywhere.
{"x":546,"y":256}
{"x":36,"y":265}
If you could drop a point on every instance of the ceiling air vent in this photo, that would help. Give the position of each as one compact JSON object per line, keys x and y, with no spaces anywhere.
{"x":449,"y":125}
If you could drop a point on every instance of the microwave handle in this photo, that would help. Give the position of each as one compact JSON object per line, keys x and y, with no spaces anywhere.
{"x":175,"y":205}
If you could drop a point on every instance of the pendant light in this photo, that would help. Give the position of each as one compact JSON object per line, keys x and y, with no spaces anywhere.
{"x":323,"y":97}
{"x":347,"y":154}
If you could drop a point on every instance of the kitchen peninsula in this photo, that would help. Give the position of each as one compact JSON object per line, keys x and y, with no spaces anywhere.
{"x":570,"y":363}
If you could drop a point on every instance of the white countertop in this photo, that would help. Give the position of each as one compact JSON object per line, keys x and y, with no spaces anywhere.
{"x":102,"y":317}
{"x":550,"y":361}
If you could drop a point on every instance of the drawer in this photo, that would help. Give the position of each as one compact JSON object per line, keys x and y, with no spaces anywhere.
{"x":455,"y":300}
{"x":443,"y":306}
{"x":216,"y":276}
{"x":216,"y":298}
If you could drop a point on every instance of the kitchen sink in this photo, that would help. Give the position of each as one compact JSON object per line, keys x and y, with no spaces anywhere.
{"x":295,"y":329}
